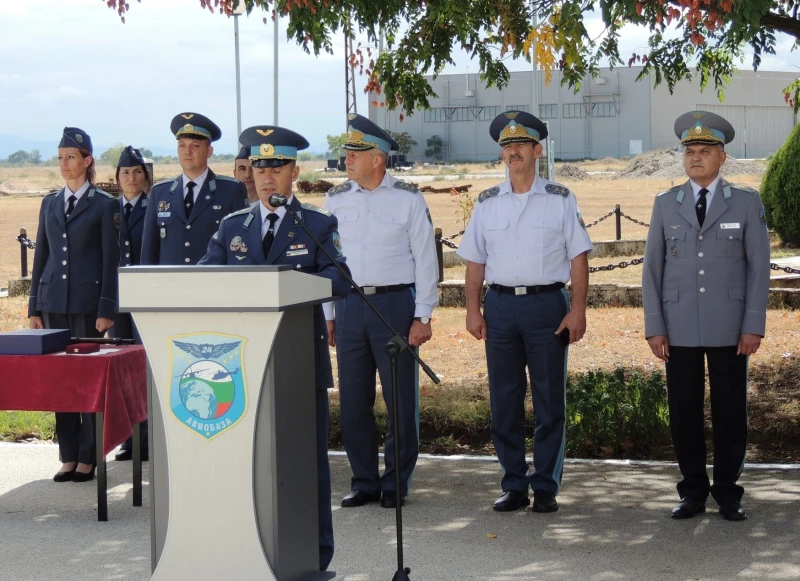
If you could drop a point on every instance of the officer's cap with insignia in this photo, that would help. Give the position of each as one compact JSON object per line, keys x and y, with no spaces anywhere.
{"x":703,"y":127}
{"x":517,"y":127}
{"x":272,"y":146}
{"x":130,"y":157}
{"x":244,"y":153}
{"x":74,"y":137}
{"x":194,"y":126}
{"x":363,"y":135}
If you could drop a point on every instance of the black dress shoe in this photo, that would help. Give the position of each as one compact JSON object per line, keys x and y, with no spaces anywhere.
{"x":358,"y":498}
{"x":732,"y":510}
{"x":511,"y":500}
{"x":544,"y":501}
{"x":389,"y":499}
{"x":688,"y":507}
{"x":64,"y":476}
{"x":83,"y":476}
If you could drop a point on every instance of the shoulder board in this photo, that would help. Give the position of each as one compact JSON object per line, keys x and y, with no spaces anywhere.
{"x":490,"y":193}
{"x":557,"y":189}
{"x":53,"y":193}
{"x":239,"y":213}
{"x":341,"y":188}
{"x":313,"y":208}
{"x":401,"y":185}
{"x":226,"y":178}
{"x":104,"y":193}
{"x":748,"y":189}
{"x":669,"y":191}
{"x":166,"y":181}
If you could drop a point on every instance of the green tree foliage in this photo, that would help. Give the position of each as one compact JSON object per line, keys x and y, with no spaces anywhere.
{"x":18,"y":157}
{"x":434,"y":147}
{"x":335,"y":144}
{"x":111,"y":155}
{"x":404,"y":141}
{"x":422,"y":36}
{"x":780,"y":190}
{"x":35,"y":157}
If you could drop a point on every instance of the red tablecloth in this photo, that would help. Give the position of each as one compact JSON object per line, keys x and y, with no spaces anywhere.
{"x":113,"y":383}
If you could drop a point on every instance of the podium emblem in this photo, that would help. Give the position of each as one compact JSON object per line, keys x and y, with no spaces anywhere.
{"x":207,"y":390}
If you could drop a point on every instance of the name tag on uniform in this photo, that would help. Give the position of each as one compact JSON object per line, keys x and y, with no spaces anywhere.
{"x":297,"y":252}
{"x":730,"y":226}
{"x":164,"y":214}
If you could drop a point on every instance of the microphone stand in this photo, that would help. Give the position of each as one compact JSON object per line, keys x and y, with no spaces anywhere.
{"x":396,"y":345}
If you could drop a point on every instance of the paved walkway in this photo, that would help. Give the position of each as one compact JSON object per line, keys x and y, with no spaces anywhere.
{"x":613,"y":525}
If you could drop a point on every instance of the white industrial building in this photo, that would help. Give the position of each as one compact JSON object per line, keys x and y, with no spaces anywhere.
{"x":611,"y":116}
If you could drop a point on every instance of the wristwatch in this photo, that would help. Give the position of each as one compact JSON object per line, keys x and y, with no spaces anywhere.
{"x":423,"y":320}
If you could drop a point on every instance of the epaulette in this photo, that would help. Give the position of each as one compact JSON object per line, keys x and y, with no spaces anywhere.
{"x":490,"y":193}
{"x":672,"y":189}
{"x":313,"y":208}
{"x":166,"y":181}
{"x":53,"y":193}
{"x":226,"y":178}
{"x":748,"y":189}
{"x":401,"y":185}
{"x":557,"y":189}
{"x":341,"y":188}
{"x":238,"y":213}
{"x":104,"y":193}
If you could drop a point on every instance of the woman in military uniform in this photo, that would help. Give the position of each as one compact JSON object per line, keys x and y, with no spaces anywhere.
{"x":135,"y":181}
{"x":74,"y":279}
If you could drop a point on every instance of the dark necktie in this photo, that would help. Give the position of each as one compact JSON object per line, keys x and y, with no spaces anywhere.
{"x":128,"y":208}
{"x":189,"y":199}
{"x":70,"y":205}
{"x":700,"y":207}
{"x":269,"y":237}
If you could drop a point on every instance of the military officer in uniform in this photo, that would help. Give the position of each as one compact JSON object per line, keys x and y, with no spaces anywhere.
{"x":704,"y":288}
{"x":267,"y":235}
{"x":74,"y":279}
{"x":387,"y":236}
{"x":133,"y":177}
{"x":183,"y":213}
{"x":244,"y":173}
{"x":526,"y":239}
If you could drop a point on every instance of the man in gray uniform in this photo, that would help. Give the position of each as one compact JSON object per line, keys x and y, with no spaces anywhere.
{"x":704,"y":289}
{"x":526,"y":238}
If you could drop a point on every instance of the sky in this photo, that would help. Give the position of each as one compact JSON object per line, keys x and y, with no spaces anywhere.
{"x":73,"y":63}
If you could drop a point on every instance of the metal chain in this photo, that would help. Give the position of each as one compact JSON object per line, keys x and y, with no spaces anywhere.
{"x":634,"y":220}
{"x":456,"y":235}
{"x":623,"y":264}
{"x":25,"y":242}
{"x":447,"y":243}
{"x":786,"y":269}
{"x":600,"y":219}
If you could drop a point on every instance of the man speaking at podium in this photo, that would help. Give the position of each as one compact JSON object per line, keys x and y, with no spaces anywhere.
{"x":265,"y":234}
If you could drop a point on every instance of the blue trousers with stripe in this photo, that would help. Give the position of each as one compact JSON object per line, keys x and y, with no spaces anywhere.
{"x":520,"y":334}
{"x":360,"y":351}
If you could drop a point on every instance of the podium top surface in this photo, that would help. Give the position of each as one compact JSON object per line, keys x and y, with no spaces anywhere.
{"x":219,"y":288}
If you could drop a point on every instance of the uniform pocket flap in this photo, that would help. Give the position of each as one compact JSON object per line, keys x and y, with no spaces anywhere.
{"x":735,"y":295}
{"x":548,"y":222}
{"x":669,"y":295}
{"x":496,"y":224}
{"x":729,"y":233}
{"x":391,"y":218}
{"x":347,"y":215}
{"x":675,"y":232}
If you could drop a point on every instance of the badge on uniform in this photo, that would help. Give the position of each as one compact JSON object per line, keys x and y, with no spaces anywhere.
{"x":163,"y":232}
{"x":763,"y":217}
{"x":296,"y":246}
{"x":237,"y":245}
{"x":337,"y":243}
{"x":580,"y":220}
{"x":217,"y":207}
{"x":163,"y":206}
{"x":428,"y":214}
{"x":117,"y":221}
{"x":290,"y":234}
{"x":296,"y":252}
{"x":164,"y":214}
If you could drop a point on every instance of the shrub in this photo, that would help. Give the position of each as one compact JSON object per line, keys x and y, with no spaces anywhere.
{"x":780,"y":190}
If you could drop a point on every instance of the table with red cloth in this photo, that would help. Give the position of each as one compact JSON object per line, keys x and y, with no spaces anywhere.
{"x":112,"y":383}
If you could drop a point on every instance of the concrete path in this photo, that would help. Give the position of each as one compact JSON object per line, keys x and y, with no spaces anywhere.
{"x":613,"y":525}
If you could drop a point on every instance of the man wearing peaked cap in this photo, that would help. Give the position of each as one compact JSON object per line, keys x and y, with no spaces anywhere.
{"x":263,"y":234}
{"x":705,"y":283}
{"x":388,"y":237}
{"x":526,"y":239}
{"x":185,"y":211}
{"x":243,"y":172}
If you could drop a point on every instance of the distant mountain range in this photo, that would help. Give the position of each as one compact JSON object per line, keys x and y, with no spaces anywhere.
{"x":11,"y":143}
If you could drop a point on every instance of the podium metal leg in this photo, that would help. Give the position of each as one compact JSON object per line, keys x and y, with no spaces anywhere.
{"x":100,"y":459}
{"x":137,"y":464}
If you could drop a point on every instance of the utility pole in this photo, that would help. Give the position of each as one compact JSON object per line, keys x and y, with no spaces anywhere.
{"x":349,"y":75}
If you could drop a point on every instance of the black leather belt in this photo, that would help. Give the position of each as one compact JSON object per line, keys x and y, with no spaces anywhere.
{"x":379,"y":290}
{"x":527,"y":290}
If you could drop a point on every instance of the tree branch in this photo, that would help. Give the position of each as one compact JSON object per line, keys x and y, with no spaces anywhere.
{"x":782,"y":23}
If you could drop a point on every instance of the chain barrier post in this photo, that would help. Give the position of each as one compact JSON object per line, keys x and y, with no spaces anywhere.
{"x":619,"y":222}
{"x":439,"y":252}
{"x":23,"y":253}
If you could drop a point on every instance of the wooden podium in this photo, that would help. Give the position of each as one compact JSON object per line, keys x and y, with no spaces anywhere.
{"x":232,"y":419}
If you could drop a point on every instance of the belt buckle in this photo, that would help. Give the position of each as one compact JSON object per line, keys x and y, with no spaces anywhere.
{"x":370,"y":290}
{"x":520,"y":290}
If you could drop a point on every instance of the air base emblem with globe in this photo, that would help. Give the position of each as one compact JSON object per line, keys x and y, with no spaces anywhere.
{"x":207,"y":390}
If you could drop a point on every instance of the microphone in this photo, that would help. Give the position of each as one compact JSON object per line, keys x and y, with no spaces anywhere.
{"x":277,"y":200}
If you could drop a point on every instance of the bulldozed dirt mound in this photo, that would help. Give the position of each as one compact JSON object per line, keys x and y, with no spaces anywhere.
{"x":668,"y":163}
{"x":568,"y":171}
{"x":11,"y":187}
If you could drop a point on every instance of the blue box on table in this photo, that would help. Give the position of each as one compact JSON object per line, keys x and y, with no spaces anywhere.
{"x":34,"y":341}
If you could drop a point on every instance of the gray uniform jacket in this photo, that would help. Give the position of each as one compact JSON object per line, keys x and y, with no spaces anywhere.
{"x":706,"y":286}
